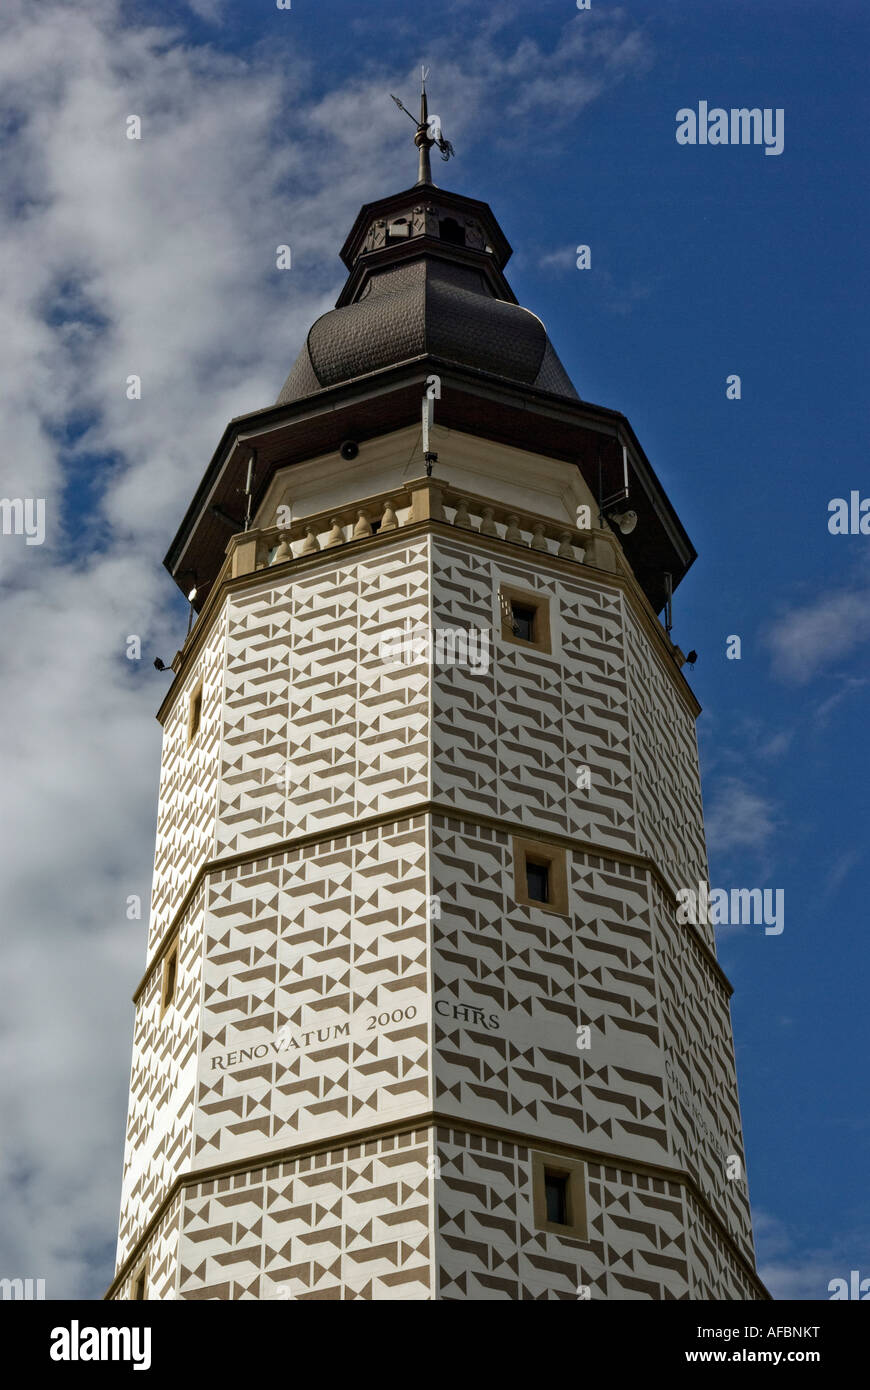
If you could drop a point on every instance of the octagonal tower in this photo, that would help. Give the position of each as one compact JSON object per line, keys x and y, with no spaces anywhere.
{"x":418,"y":1020}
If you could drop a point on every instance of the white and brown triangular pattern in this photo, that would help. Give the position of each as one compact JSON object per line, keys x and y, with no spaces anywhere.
{"x":715,"y":1275}
{"x":646,"y":1238}
{"x":511,"y":741}
{"x":188,"y":787}
{"x":704,"y":1114}
{"x":160,"y":1257}
{"x":319,"y":728}
{"x":666,"y":778}
{"x":320,"y":997}
{"x":442,"y":1213}
{"x":489,"y":1247}
{"x":160,"y":1120}
{"x":350,"y":1223}
{"x":315,"y":1004}
{"x":539,"y":976}
{"x":656,"y":1081}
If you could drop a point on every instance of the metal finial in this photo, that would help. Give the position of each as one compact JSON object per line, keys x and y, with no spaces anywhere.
{"x":427,"y":134}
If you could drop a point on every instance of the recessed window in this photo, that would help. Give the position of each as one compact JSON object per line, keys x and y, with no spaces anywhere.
{"x":541,"y":875}
{"x":523,"y":621}
{"x":538,"y":881}
{"x":559,"y":1195}
{"x":140,"y":1282}
{"x":525,"y":618}
{"x":170,"y":979}
{"x":194,"y":717}
{"x":556,"y":1197}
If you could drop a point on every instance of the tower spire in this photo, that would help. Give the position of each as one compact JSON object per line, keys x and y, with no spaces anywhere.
{"x":427,"y":134}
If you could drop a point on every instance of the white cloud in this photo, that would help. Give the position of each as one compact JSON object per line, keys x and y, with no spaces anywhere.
{"x":841,"y":868}
{"x":210,"y":10}
{"x":848,"y":685}
{"x":802,"y":1279}
{"x":808,"y":638}
{"x":794,"y":1268}
{"x":777,"y":745}
{"x":564,"y":258}
{"x":738,"y":818}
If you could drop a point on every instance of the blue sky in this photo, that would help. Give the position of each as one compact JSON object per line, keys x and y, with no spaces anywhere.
{"x":263,"y":126}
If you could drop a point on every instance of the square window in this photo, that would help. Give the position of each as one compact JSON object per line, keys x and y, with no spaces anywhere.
{"x":559,"y":1195}
{"x":525,"y":618}
{"x":541,"y":876}
{"x":538,"y":881}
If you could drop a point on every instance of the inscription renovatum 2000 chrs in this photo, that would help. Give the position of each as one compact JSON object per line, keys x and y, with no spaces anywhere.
{"x":294,"y":1041}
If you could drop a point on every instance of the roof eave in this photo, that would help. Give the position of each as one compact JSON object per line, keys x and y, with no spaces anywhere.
{"x":493,"y":394}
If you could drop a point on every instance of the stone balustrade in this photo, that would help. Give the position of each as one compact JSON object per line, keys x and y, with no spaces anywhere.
{"x":488,"y":518}
{"x":425,"y":499}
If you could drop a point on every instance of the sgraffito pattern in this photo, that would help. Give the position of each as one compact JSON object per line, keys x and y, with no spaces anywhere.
{"x":349,"y":1223}
{"x":188,"y":787}
{"x":352,"y":962}
{"x":315,"y":1016}
{"x":160,"y":1121}
{"x":511,"y":740}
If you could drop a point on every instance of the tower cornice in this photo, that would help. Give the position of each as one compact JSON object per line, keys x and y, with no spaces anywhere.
{"x":474,"y":402}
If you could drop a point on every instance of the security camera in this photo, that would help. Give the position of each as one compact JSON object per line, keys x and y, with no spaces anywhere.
{"x":349,"y":449}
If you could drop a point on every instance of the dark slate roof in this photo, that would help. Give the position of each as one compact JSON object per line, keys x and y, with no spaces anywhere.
{"x":432,"y":301}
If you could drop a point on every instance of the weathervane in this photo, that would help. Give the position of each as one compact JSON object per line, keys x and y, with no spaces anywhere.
{"x":428,"y":133}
